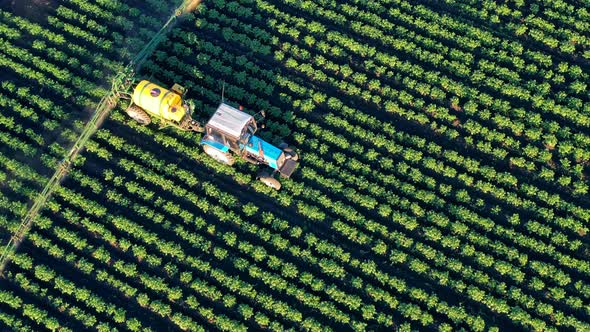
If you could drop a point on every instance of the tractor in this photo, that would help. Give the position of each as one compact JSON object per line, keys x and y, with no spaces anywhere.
{"x":228,"y":132}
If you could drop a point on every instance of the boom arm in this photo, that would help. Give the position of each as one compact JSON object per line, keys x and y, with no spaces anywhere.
{"x":149,"y":48}
{"x":121,"y":84}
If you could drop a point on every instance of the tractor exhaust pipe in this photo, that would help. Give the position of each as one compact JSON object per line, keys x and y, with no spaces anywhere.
{"x":260,"y":151}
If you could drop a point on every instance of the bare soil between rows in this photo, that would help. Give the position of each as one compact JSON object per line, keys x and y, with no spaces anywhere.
{"x":35,"y":10}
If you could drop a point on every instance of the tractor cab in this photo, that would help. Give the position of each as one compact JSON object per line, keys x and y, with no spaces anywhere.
{"x":231,"y":130}
{"x":230,"y":127}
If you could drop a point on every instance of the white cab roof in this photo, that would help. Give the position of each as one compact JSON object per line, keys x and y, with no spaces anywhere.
{"x":229,"y":120}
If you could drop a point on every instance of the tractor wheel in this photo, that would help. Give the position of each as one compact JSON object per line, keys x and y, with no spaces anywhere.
{"x":269,"y":181}
{"x":290,"y":154}
{"x":139,"y":115}
{"x":222,"y":157}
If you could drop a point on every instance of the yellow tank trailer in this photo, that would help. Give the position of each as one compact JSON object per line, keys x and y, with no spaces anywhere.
{"x":151,"y":100}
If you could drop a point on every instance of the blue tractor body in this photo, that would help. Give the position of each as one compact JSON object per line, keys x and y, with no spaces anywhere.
{"x":217,"y":145}
{"x":271,"y":153}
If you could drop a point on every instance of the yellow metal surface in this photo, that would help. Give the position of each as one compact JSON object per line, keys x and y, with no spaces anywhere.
{"x":159,"y":102}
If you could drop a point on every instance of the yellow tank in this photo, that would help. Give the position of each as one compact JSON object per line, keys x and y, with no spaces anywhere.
{"x":158,"y":101}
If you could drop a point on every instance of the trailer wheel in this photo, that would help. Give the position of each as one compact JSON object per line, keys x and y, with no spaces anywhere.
{"x":269,"y":181}
{"x":222,"y":157}
{"x":139,"y":115}
{"x":291,"y":154}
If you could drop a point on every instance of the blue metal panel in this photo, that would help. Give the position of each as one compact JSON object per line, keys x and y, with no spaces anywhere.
{"x":215,"y":144}
{"x":271,"y":153}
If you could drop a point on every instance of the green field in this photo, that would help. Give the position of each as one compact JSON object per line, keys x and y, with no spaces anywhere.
{"x":443,"y":179}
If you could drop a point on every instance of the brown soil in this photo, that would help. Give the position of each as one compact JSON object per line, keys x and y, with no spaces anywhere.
{"x":35,"y":10}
